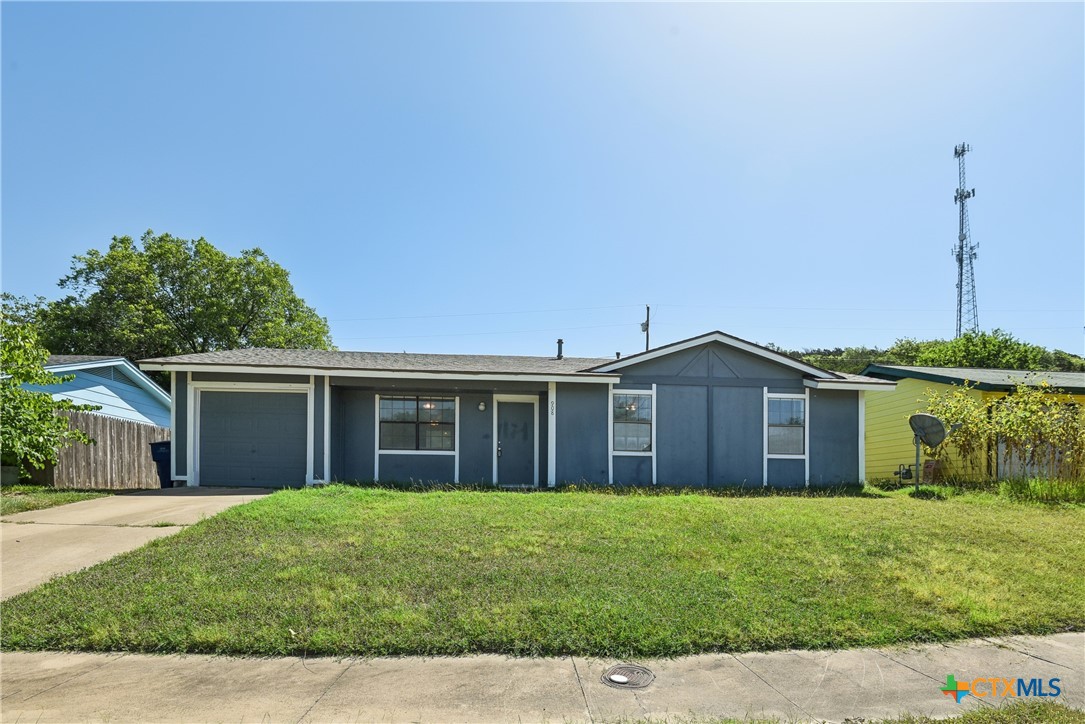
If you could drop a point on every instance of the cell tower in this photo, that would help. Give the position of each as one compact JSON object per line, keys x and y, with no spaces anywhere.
{"x":965,"y":253}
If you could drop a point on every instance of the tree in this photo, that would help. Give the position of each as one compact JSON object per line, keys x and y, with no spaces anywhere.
{"x":167,"y":296}
{"x":989,"y":350}
{"x":31,"y":431}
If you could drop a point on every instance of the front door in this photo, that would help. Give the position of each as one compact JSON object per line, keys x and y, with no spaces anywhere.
{"x":515,"y":443}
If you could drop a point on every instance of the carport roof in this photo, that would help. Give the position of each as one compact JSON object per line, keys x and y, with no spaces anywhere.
{"x":983,"y":379}
{"x":405,"y":362}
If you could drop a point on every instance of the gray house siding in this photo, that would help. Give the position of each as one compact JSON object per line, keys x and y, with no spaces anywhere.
{"x":244,"y":377}
{"x":710,"y":416}
{"x":318,"y":428}
{"x":682,"y":435}
{"x":402,"y":468}
{"x":787,"y":473}
{"x":708,"y":424}
{"x":581,"y":444}
{"x":714,"y":365}
{"x":353,"y":433}
{"x":476,"y":438}
{"x":179,"y":435}
{"x":834,"y":437}
{"x":353,"y":437}
{"x":738,"y":443}
{"x":632,"y":470}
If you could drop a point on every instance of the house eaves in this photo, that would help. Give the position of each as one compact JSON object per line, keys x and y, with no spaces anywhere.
{"x":63,"y":364}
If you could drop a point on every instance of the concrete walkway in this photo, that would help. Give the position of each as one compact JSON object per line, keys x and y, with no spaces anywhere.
{"x":40,"y":544}
{"x":790,"y":685}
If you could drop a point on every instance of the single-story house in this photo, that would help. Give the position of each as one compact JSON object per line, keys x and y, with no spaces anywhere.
{"x":116,"y":385}
{"x":712,"y":410}
{"x":889,"y":440}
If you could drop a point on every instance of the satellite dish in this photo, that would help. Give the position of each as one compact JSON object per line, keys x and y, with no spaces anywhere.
{"x":928,"y":428}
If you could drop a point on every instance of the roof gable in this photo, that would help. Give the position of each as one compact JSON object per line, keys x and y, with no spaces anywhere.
{"x":726,"y":340}
{"x":117,"y":369}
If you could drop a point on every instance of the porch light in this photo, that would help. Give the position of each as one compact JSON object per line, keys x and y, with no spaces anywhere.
{"x":482,"y":407}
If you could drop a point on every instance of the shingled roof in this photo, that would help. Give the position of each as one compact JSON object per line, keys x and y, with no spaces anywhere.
{"x":983,"y":379}
{"x":75,"y":359}
{"x":384,"y":362}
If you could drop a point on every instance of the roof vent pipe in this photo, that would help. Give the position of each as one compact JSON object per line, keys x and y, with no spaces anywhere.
{"x":617,"y":355}
{"x":560,"y":343}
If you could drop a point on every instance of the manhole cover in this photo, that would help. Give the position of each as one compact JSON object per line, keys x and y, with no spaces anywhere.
{"x":627,"y":676}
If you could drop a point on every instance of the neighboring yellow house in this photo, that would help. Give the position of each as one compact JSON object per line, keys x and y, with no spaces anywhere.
{"x":888,"y":437}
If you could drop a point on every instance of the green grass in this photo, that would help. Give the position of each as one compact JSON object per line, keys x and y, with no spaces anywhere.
{"x":363,"y":571}
{"x":18,"y":498}
{"x":1018,"y":712}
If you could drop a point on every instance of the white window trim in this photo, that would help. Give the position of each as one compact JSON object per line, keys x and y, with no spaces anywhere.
{"x":610,"y":430}
{"x":534,"y":400}
{"x":377,"y":452}
{"x":195,"y":389}
{"x":805,"y":456}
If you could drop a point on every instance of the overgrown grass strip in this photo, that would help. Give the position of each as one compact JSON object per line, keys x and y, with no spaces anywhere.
{"x":352,"y":571}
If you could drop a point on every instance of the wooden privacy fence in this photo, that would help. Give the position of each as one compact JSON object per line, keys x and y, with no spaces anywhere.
{"x":120,"y":459}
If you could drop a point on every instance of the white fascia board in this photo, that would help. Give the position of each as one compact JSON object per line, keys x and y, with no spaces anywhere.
{"x":144,"y":382}
{"x":381,"y":374}
{"x":849,"y":385}
{"x":723,"y":339}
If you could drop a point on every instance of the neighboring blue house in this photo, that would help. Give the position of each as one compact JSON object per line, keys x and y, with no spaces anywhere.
{"x":713,"y":410}
{"x":113,"y":383}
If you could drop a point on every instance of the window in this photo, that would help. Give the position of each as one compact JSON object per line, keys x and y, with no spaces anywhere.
{"x":418,"y":423}
{"x":632,"y":422}
{"x":787,"y":426}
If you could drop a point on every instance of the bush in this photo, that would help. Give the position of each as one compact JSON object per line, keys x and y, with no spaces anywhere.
{"x":1036,"y":431}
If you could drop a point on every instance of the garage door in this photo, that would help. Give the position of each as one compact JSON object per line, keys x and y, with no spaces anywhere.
{"x":252,"y":438}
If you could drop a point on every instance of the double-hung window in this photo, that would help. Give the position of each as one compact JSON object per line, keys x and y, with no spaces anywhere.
{"x":787,"y":426}
{"x":632,"y":422}
{"x":418,"y":423}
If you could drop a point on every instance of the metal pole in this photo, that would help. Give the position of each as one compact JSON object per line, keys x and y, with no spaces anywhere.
{"x":647,"y":325}
{"x":918,"y":469}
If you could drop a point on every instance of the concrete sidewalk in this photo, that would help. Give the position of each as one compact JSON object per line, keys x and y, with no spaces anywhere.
{"x":40,"y":544}
{"x":789,"y":685}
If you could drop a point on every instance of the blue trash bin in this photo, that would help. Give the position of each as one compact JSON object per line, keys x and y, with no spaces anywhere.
{"x":160,"y":453}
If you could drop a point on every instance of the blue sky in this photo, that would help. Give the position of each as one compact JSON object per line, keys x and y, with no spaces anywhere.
{"x":488,"y":177}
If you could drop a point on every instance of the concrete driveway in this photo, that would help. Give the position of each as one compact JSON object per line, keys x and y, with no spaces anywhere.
{"x":40,"y":544}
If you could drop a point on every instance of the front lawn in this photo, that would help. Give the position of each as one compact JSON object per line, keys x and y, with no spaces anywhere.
{"x":354,"y":571}
{"x":17,"y":498}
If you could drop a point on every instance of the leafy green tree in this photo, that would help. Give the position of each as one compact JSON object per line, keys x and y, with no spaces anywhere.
{"x":989,"y":350}
{"x":31,"y":431}
{"x":166,"y":295}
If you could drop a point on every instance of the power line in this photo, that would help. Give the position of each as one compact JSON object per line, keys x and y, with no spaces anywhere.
{"x":481,"y":314}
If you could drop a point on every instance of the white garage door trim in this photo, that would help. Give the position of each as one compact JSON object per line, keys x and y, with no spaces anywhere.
{"x":196,"y":388}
